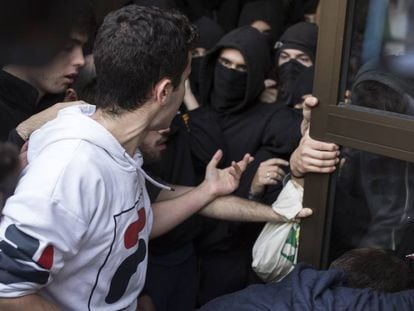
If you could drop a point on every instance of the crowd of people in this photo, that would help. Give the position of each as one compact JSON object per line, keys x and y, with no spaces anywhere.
{"x":140,"y":158}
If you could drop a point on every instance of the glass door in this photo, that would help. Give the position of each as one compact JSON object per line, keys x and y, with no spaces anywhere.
{"x":364,"y":80}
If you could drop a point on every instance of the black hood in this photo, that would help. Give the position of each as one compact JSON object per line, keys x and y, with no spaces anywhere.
{"x":271,"y":12}
{"x":209,"y":33}
{"x":252,"y":45}
{"x":380,"y":71}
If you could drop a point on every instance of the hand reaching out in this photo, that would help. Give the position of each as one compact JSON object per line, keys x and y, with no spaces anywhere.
{"x":269,"y":172}
{"x":224,"y":181}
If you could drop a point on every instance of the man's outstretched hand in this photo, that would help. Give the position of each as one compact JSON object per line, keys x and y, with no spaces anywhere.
{"x":224,"y":181}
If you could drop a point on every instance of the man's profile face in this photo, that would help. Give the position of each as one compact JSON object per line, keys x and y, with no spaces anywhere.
{"x":289,"y":54}
{"x":57,"y":75}
{"x":153,"y":145}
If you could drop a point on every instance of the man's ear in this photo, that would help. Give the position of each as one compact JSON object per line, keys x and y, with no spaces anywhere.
{"x":163,"y":90}
{"x":70,"y":95}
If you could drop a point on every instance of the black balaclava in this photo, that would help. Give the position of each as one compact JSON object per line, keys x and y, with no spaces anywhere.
{"x":229,"y":88}
{"x":301,"y":36}
{"x":209,"y":34}
{"x":287,"y":74}
{"x":303,"y":86}
{"x":225,"y":94}
{"x":271,"y":12}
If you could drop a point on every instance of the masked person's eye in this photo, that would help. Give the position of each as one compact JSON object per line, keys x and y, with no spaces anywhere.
{"x":305,"y":60}
{"x":241,"y":68}
{"x":224,"y":62}
{"x":283,"y":58}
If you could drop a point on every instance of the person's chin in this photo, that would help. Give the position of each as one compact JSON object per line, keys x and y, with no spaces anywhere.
{"x":58,"y":89}
{"x":162,"y":147}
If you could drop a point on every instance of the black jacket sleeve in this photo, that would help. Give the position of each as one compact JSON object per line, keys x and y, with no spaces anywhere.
{"x":206,"y":136}
{"x":15,"y":139}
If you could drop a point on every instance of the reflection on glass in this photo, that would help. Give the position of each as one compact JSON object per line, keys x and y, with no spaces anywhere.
{"x":374,"y":204}
{"x":380,"y":67}
{"x":377,"y":87}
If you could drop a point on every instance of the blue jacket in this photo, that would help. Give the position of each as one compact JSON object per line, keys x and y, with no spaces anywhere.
{"x":308,"y":289}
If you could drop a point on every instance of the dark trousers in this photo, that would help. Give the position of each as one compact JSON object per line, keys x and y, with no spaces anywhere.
{"x":173,"y":288}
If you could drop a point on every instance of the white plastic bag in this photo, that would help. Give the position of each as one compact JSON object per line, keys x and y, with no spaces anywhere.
{"x":275,"y":250}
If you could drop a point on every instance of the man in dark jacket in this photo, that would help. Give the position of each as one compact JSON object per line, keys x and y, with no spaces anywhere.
{"x":22,"y":87}
{"x":232,"y":118}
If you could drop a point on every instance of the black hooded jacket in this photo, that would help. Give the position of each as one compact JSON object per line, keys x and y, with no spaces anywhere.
{"x":18,"y":102}
{"x":263,"y":130}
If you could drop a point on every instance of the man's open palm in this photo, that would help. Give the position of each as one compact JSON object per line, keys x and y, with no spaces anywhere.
{"x":225,"y":181}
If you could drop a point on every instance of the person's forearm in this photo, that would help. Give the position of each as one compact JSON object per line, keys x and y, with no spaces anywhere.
{"x":36,"y":121}
{"x":233,"y":208}
{"x":30,"y":302}
{"x":170,"y":213}
{"x":169,"y":195}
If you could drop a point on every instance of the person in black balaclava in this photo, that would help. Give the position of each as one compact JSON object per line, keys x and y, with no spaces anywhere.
{"x":303,"y":87}
{"x":295,"y":51}
{"x":232,"y":118}
{"x":266,"y":16}
{"x":209,"y":34}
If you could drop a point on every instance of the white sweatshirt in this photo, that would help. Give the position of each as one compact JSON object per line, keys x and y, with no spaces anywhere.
{"x":76,"y":229}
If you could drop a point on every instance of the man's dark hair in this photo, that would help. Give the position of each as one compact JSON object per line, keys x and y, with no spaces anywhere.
{"x":374,"y":268}
{"x":134,"y":49}
{"x":377,"y":95}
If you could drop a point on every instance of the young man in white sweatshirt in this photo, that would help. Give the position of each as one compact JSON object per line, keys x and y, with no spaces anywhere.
{"x":74,"y":236}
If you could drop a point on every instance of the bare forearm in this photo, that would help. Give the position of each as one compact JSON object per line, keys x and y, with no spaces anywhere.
{"x":169,"y":195}
{"x":27,"y":127}
{"x":30,"y":302}
{"x":170,"y":213}
{"x":233,"y":208}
